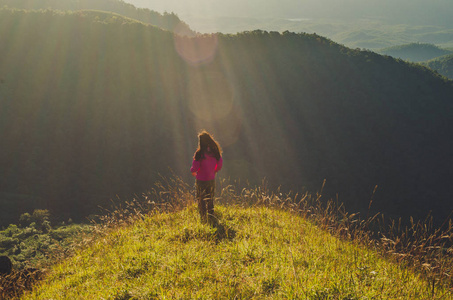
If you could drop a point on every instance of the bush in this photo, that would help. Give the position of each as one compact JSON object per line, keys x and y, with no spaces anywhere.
{"x":39,"y":220}
{"x":25,"y":219}
{"x":35,"y":243}
{"x":8,"y":242}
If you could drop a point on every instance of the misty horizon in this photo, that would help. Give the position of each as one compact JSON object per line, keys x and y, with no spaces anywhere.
{"x":370,"y":25}
{"x":413,"y":12}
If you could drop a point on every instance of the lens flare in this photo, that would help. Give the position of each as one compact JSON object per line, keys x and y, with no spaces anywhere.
{"x":197,"y":50}
{"x":210,"y":95}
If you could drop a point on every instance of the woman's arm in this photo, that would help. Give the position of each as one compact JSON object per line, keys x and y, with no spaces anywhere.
{"x":195,"y":167}
{"x":219,"y":165}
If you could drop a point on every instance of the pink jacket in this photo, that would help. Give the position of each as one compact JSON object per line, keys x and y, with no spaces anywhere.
{"x":207,"y":167}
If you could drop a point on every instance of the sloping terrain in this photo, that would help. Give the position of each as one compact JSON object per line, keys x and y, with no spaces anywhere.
{"x":256,"y":253}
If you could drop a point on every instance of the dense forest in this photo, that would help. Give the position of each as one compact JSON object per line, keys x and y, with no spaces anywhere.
{"x":94,"y":105}
{"x":415,"y":52}
{"x":168,"y":21}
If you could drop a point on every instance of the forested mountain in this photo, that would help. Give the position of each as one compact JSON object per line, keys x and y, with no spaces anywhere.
{"x":443,"y":65}
{"x":168,"y":21}
{"x":94,"y":105}
{"x":415,"y":52}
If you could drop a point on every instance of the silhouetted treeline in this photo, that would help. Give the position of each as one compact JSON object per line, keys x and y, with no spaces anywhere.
{"x":168,"y":21}
{"x":94,"y":106}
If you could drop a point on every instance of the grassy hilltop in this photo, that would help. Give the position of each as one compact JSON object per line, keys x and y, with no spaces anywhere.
{"x":99,"y":103}
{"x":257,"y":253}
{"x":263,"y":245}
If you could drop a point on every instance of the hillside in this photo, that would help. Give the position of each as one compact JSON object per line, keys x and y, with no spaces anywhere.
{"x":443,"y":65}
{"x":94,"y":105}
{"x":415,"y":52}
{"x":168,"y":21}
{"x":258,"y":253}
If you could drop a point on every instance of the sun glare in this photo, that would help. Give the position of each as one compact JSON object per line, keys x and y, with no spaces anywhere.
{"x":217,"y":105}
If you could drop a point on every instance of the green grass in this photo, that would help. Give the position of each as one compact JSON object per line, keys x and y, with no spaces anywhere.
{"x":250,"y":253}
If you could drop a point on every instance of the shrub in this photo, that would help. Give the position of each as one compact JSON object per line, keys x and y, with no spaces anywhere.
{"x":25,"y":219}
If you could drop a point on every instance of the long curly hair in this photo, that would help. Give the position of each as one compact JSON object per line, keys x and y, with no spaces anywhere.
{"x":207,"y":144}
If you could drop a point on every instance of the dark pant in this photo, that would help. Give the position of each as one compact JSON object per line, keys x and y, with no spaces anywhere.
{"x":205,"y":197}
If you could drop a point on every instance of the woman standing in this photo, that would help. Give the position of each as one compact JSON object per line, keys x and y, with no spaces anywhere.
{"x":207,"y":161}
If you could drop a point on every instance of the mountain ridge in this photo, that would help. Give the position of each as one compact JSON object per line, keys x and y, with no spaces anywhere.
{"x":100,"y":109}
{"x":168,"y":21}
{"x":415,"y":52}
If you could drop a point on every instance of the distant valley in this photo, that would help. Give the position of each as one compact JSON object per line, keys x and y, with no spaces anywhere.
{"x":363,"y":24}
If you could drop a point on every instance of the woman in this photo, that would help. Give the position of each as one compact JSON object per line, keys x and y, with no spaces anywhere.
{"x":207,"y":161}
